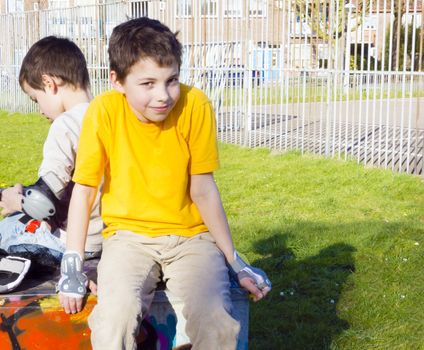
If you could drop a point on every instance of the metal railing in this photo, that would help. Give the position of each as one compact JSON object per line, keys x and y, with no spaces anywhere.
{"x":314,"y":75}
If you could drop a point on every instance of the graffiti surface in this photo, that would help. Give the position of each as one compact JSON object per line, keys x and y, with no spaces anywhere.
{"x":37,"y":322}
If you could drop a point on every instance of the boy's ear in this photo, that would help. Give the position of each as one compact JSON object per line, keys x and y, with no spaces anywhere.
{"x":116,"y":84}
{"x":49,"y":83}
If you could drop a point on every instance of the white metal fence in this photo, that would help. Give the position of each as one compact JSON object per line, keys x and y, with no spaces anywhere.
{"x":344,"y":80}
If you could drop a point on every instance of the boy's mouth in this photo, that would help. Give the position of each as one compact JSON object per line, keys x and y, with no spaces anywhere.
{"x":161,"y":109}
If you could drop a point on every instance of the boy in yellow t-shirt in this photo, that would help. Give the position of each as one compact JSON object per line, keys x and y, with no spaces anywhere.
{"x":154,"y":141}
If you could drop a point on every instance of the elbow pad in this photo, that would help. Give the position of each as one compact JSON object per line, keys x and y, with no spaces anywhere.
{"x":39,"y":201}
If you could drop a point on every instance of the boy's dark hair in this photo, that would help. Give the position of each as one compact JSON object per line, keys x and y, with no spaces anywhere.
{"x":57,"y":57}
{"x":142,"y":38}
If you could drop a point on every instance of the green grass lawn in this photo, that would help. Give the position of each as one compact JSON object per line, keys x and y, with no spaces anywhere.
{"x":313,"y":92}
{"x":343,"y":244}
{"x":21,"y":141}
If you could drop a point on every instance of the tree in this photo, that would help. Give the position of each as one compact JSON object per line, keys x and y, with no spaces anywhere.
{"x":398,"y":12}
{"x":328,"y":21}
{"x":399,"y":62}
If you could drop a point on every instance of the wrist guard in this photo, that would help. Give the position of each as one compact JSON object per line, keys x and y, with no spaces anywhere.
{"x":242,"y":270}
{"x":73,"y":282}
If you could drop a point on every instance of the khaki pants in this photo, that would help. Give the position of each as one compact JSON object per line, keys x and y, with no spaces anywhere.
{"x":194,"y":270}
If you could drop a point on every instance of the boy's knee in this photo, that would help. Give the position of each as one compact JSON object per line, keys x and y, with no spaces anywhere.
{"x":120,"y":316}
{"x":207,"y":313}
{"x":213,"y":329}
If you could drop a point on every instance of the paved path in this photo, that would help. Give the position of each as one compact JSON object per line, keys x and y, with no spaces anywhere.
{"x":388,"y":134}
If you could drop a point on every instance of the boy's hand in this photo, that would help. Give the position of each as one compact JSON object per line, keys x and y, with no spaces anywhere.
{"x":11,"y":200}
{"x":255,"y":293}
{"x":73,"y":283}
{"x":254,"y":280}
{"x":74,"y":305}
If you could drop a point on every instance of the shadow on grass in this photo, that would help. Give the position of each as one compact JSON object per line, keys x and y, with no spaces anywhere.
{"x":300,"y":312}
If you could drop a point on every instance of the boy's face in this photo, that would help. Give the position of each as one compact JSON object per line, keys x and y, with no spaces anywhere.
{"x":48,"y":100}
{"x":151,"y":91}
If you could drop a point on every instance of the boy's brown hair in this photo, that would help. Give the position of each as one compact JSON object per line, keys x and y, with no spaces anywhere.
{"x":142,"y":38}
{"x":57,"y":57}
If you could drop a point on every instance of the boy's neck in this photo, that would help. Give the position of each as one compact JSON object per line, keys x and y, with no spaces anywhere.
{"x":72,"y":97}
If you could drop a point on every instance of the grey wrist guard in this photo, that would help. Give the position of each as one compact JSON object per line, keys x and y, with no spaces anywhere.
{"x":73,"y":282}
{"x":242,"y":270}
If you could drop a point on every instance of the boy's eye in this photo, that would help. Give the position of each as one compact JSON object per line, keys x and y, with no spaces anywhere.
{"x":174,"y":81}
{"x":147,"y":83}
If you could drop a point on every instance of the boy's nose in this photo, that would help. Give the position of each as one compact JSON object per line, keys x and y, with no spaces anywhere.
{"x":162,"y":94}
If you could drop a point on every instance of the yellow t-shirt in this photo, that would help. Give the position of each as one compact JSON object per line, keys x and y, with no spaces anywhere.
{"x":147,"y":166}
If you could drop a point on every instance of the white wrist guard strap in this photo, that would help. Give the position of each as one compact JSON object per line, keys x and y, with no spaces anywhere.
{"x":242,"y":269}
{"x":73,"y":282}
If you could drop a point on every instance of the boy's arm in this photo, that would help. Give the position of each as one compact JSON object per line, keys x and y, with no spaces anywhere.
{"x":205,"y":195}
{"x":59,"y":152}
{"x":79,"y":214}
{"x":58,"y":158}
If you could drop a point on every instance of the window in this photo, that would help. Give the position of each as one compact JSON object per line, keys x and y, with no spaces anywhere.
{"x":209,"y":8}
{"x":83,"y":2}
{"x":299,"y":26}
{"x":370,"y":22}
{"x":184,"y":8}
{"x":86,"y":20}
{"x":257,"y":8}
{"x":58,"y":20}
{"x":13,"y":6}
{"x":233,"y":8}
{"x":58,"y":4}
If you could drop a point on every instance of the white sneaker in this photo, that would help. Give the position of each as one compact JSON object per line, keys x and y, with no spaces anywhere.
{"x":12,"y":271}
